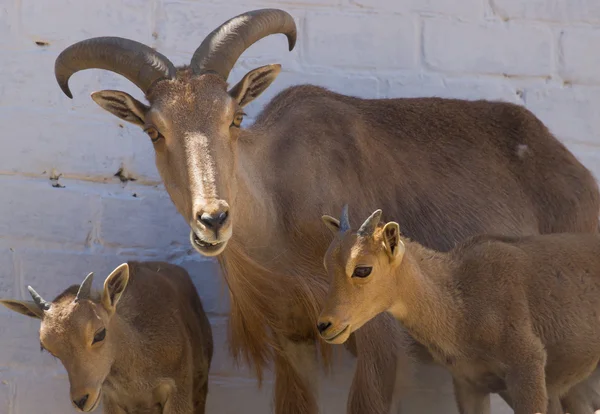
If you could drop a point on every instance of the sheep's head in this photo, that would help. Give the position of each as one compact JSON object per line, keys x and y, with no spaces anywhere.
{"x":192,"y":119}
{"x":360,"y":266}
{"x":76,"y":328}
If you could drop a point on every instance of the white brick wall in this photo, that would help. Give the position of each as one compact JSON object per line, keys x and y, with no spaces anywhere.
{"x":544,"y":54}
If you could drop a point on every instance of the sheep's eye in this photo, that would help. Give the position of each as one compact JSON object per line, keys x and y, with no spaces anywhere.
{"x":153,"y":133}
{"x":362,"y":272}
{"x":237,"y":120}
{"x":99,"y":337}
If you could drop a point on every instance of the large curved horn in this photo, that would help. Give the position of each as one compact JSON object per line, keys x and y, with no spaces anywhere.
{"x":344,"y":220}
{"x":137,"y":62}
{"x":368,"y":227}
{"x":41,"y":303}
{"x":85,"y":288}
{"x":223,"y":46}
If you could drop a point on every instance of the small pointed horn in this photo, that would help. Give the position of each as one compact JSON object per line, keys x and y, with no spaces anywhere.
{"x":85,"y":288}
{"x":370,"y":224}
{"x":344,"y":220}
{"x":42,"y":304}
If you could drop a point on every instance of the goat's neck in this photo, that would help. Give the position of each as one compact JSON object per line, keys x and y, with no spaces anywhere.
{"x":425,"y":302}
{"x":126,"y":347}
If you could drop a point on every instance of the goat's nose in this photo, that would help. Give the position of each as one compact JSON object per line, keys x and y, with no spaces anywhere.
{"x":214,"y":221}
{"x":322,"y":326}
{"x":80,"y":403}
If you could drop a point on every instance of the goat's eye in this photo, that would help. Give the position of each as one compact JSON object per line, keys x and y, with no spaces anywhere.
{"x":237,"y":120}
{"x":362,"y":272}
{"x":99,"y":337}
{"x":153,"y":133}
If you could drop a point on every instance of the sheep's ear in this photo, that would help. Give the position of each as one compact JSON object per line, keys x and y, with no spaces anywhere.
{"x":114,"y":286}
{"x":254,"y":83}
{"x":122,"y":105}
{"x":394,"y":246}
{"x":332,"y":224}
{"x":24,"y":307}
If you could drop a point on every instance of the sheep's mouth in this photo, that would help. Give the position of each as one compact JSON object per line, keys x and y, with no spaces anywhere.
{"x":207,"y":248}
{"x":332,"y":338}
{"x":97,"y":401}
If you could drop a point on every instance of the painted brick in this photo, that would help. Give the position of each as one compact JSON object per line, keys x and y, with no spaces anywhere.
{"x":569,"y":112}
{"x":184,"y":25}
{"x":353,"y":85}
{"x":21,"y":345}
{"x":357,"y":40}
{"x":578,"y":62}
{"x":37,"y":392}
{"x":66,"y":142}
{"x":51,"y":271}
{"x":587,"y":154}
{"x":34,"y":210}
{"x":466,"y":8}
{"x":552,"y":10}
{"x":492,"y":48}
{"x":149,"y":221}
{"x":7,"y":274}
{"x":421,"y":85}
{"x":209,"y":282}
{"x":85,"y":18}
{"x":8,"y":26}
{"x":32,"y":82}
{"x":5,"y":396}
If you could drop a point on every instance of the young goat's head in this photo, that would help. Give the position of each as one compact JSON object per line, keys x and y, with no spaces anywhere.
{"x":192,"y":119}
{"x":76,"y":328}
{"x":360,"y":267}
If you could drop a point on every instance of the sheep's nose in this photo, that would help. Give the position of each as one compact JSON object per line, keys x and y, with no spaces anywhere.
{"x":80,"y":403}
{"x":322,"y":326}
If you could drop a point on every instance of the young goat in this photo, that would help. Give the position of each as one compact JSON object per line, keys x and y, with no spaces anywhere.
{"x":515,"y":316}
{"x":144,"y":349}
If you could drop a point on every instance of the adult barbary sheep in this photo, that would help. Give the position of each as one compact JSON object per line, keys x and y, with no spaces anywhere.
{"x":511,"y":315}
{"x":447,"y":168}
{"x":142,"y":345}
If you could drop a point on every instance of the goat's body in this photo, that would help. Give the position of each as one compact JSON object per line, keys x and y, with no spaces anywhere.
{"x":169,"y":342}
{"x":514,"y":300}
{"x":446,"y":169}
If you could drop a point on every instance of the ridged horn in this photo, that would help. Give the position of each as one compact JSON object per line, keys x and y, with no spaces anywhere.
{"x":344,"y":220}
{"x":86,"y":288}
{"x":139,"y":63}
{"x":41,"y":303}
{"x":370,"y":224}
{"x":223,"y":46}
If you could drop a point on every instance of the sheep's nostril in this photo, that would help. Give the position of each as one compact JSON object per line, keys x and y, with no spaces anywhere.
{"x":222,"y":217}
{"x":81,"y":402}
{"x":322,"y":327}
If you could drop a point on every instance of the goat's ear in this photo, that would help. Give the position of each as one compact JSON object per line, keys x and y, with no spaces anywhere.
{"x":332,"y":224}
{"x":122,"y":105}
{"x":114,"y":286}
{"x":254,"y":83}
{"x":24,"y":307}
{"x":394,"y":246}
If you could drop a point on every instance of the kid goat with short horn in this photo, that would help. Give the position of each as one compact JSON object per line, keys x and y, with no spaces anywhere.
{"x":511,"y":315}
{"x":141,"y":346}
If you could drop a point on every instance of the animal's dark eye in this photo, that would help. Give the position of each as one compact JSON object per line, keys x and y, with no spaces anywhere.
{"x":237,"y":119}
{"x":153,"y":133}
{"x":99,"y":337}
{"x":362,"y":272}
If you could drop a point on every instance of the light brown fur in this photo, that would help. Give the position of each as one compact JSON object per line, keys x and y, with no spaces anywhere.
{"x":448,"y":168}
{"x":156,"y":353}
{"x":510,"y":315}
